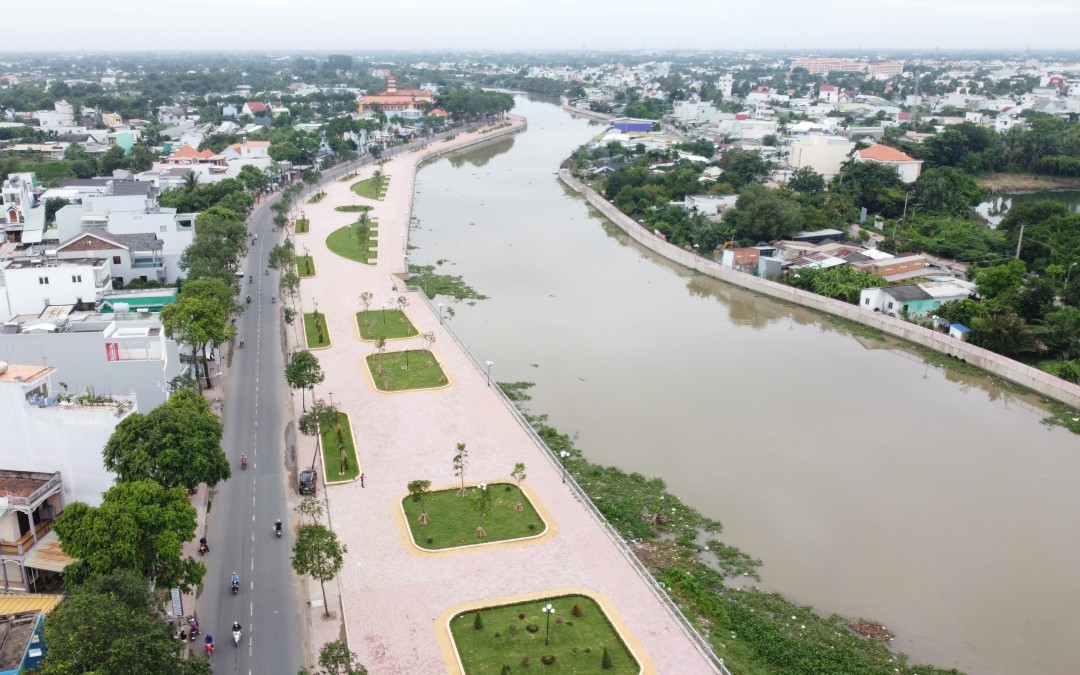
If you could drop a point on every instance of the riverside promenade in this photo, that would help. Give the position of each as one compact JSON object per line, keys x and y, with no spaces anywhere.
{"x":391,"y":602}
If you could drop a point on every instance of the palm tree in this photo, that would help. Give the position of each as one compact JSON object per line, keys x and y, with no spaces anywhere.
{"x":418,"y":490}
{"x":191,"y":181}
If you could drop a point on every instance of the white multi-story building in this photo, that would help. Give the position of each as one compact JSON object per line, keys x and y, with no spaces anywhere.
{"x":131,"y":214}
{"x":724,"y":84}
{"x":21,"y":218}
{"x":130,"y":256}
{"x":124,"y":352}
{"x":29,"y":285}
{"x":48,"y":430}
{"x":821,"y":153}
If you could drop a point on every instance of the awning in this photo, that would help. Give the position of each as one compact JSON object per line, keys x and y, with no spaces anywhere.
{"x":46,"y":555}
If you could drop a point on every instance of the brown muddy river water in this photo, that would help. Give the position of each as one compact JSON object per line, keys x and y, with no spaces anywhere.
{"x":870,"y":484}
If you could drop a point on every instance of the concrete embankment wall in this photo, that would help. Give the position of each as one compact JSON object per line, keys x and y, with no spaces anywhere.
{"x":587,"y":113}
{"x":1031,"y":378}
{"x":431,"y":154}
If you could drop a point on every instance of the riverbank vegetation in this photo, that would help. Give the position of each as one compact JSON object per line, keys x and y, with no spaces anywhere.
{"x":756,"y":632}
{"x":433,"y":284}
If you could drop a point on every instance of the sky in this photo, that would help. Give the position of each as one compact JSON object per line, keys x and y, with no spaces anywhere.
{"x":360,"y":25}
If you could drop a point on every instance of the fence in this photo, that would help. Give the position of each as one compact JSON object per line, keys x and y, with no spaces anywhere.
{"x":657,"y":588}
{"x":1034,"y":379}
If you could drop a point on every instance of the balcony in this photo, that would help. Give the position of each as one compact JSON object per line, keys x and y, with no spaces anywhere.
{"x":145,"y":262}
{"x":23,"y":544}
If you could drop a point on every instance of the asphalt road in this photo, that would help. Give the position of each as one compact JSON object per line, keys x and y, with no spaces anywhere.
{"x":271,"y":605}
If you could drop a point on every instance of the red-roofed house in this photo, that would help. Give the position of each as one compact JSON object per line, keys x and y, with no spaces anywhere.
{"x":254,"y":109}
{"x":189,"y":155}
{"x":909,"y":168}
{"x":829,"y":93}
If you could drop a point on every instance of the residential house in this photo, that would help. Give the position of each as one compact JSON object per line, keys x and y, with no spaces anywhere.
{"x":829,"y":93}
{"x":28,"y":284}
{"x":824,"y":154}
{"x":131,"y":256}
{"x":22,"y":625}
{"x":254,"y":109}
{"x":29,"y":503}
{"x":119,"y":349}
{"x":741,"y":259}
{"x":907,"y":167}
{"x":891,"y":268}
{"x":67,"y":434}
{"x":111,"y":119}
{"x":22,"y":219}
{"x":913,"y":300}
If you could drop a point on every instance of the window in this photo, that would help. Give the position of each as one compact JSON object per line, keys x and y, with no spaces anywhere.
{"x":890,"y":305}
{"x":116,"y":260}
{"x":76,"y":278}
{"x":44,"y":281}
{"x":163,"y":228}
{"x":866,"y":301}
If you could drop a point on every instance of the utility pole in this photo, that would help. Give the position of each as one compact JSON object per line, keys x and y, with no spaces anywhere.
{"x":1020,"y":241}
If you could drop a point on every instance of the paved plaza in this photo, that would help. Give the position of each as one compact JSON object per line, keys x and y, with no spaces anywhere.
{"x":391,"y":596}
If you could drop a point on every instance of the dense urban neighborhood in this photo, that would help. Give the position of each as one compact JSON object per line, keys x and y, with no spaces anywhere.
{"x":195,"y":248}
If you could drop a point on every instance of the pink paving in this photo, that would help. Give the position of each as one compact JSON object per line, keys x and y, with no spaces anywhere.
{"x":391,"y":596}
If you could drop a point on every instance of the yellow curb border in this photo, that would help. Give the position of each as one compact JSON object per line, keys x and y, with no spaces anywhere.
{"x":377,"y":390}
{"x":356,"y":449}
{"x":410,"y":545}
{"x":449,"y":648}
{"x":328,"y":345}
{"x":359,"y":338}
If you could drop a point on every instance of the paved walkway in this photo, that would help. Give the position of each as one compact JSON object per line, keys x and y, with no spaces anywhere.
{"x":391,"y":596}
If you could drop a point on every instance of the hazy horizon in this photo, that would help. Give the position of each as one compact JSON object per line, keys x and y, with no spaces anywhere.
{"x":554,"y":25}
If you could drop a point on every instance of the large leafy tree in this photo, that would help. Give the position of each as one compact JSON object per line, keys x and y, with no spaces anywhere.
{"x":304,"y":372}
{"x":321,"y":416}
{"x":872,"y":185}
{"x":177,"y":444}
{"x":763,"y":214}
{"x":200,"y":316}
{"x":335,"y":658}
{"x":318,"y":554}
{"x":139,"y":526}
{"x":112,"y":624}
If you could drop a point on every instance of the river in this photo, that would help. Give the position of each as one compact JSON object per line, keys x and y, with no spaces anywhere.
{"x":995,"y":209}
{"x":871,"y":484}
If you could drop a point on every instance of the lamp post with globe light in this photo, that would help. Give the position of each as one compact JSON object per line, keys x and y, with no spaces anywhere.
{"x":548,"y":610}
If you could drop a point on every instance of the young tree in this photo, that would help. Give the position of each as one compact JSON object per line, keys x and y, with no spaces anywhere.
{"x":365,"y":300}
{"x":481,"y":501}
{"x":140,"y":525}
{"x":418,"y":490}
{"x":318,"y":554}
{"x":177,"y":444}
{"x":461,"y":462}
{"x":311,"y":506}
{"x":200,"y":317}
{"x":518,"y":474}
{"x":402,"y":302}
{"x":304,"y":372}
{"x":110,"y":625}
{"x":321,"y":416}
{"x":289,"y":284}
{"x":428,"y":338}
{"x":380,"y":346}
{"x":336,"y":659}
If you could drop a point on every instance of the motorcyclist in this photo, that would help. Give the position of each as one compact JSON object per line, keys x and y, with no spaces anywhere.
{"x":236,"y":633}
{"x":243,"y":461}
{"x":249,"y":299}
{"x":209,"y":644}
{"x":251,"y":278}
{"x":235,"y":579}
{"x":267,"y":272}
{"x":273,"y":298}
{"x":277,"y":526}
{"x":202,"y":545}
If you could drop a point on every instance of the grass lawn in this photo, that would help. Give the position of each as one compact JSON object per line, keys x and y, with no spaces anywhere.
{"x":355,"y":242}
{"x":452,"y":520}
{"x":366,"y":188}
{"x":332,"y":452}
{"x":303,"y":225}
{"x":390,"y":374}
{"x":312,"y":332}
{"x":354,"y":208}
{"x":389,"y":323}
{"x":305,"y":266}
{"x":316,"y":198}
{"x":506,"y":639}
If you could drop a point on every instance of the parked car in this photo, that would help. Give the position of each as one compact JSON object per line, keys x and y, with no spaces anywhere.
{"x":309,"y":482}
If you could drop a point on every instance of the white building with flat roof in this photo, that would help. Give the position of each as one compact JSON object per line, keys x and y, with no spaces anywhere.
{"x":46,"y":430}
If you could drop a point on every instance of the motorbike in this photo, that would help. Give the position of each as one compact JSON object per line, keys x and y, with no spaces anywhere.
{"x":241,"y":343}
{"x":277,"y":528}
{"x":235,"y":586}
{"x":267,"y":272}
{"x":273,"y":299}
{"x":243,"y":462}
{"x":194,"y":628}
{"x":236,"y":638}
{"x":251,"y":279}
{"x":249,"y":299}
{"x":209,"y":646}
{"x":203,"y":548}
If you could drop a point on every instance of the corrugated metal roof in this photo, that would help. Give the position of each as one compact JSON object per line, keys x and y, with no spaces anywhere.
{"x":15,"y":603}
{"x":46,"y":555}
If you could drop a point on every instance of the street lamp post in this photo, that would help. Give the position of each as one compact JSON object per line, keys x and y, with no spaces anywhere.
{"x":489,"y":365}
{"x":563,"y":454}
{"x":548,"y":610}
{"x":440,"y":312}
{"x":1067,"y":273}
{"x":385,"y":309}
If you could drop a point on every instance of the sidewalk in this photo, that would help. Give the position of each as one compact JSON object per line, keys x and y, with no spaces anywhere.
{"x":387,"y":598}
